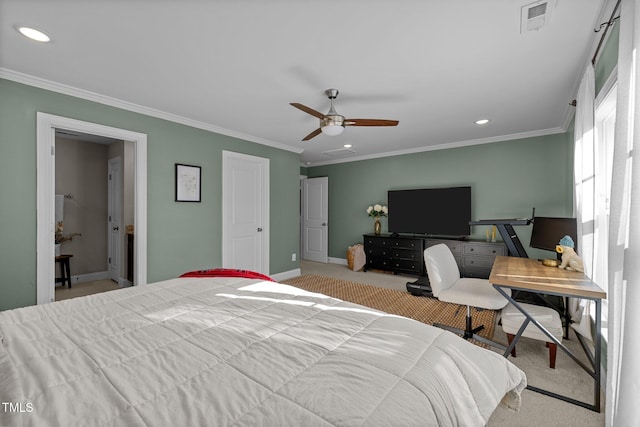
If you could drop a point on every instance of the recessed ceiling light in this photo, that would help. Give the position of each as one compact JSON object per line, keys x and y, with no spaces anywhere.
{"x":347,"y":145}
{"x":482,"y":121}
{"x":34,"y":34}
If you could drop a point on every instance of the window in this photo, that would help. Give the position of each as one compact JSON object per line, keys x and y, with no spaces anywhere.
{"x":605,"y":123}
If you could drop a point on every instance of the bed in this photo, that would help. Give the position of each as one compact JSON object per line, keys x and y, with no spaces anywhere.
{"x":235,"y":351}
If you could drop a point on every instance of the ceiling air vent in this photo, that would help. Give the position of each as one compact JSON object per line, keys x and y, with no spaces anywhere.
{"x":339,"y":152}
{"x":535,"y":15}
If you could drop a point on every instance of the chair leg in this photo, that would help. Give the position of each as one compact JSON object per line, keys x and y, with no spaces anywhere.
{"x":470,"y":333}
{"x":553,"y":349}
{"x":510,"y":338}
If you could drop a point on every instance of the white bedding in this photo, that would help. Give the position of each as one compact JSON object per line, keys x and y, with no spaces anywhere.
{"x":231,"y":351}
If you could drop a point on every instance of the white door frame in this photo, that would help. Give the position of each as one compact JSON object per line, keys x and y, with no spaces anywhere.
{"x":114,"y":219}
{"x":45,"y":203}
{"x":264,"y":201}
{"x":300,"y":213}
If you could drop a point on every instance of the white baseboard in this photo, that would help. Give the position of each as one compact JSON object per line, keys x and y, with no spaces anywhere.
{"x":98,"y":275}
{"x":90,"y":277}
{"x":297,"y":272}
{"x":286,"y":275}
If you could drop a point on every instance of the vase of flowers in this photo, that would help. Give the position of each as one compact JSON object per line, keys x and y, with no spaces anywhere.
{"x":377,"y":211}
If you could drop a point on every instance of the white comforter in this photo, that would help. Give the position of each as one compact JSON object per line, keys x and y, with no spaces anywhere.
{"x":238,"y":352}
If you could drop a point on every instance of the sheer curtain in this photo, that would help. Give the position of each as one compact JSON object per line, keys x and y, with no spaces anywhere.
{"x":585,"y":208}
{"x":623,"y":365}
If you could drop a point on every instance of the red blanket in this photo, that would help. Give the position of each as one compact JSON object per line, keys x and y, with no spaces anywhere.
{"x":227,"y":272}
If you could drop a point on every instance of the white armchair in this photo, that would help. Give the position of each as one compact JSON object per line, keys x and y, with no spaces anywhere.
{"x":512,"y":320}
{"x":448,"y":286}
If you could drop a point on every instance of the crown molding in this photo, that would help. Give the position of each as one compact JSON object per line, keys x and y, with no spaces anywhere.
{"x":118,"y":103}
{"x":124,"y":105}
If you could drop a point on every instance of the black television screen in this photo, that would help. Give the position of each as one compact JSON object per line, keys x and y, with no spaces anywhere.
{"x":547,"y":232}
{"x":430,"y":211}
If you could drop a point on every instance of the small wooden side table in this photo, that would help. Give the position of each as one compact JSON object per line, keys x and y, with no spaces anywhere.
{"x":65,"y":269}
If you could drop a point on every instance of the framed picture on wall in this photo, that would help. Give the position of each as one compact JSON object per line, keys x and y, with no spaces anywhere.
{"x":188,"y":183}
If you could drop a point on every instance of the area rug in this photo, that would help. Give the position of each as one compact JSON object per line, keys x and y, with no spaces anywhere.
{"x":423,"y":309}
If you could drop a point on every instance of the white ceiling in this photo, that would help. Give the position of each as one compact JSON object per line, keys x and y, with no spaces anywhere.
{"x":233,"y":66}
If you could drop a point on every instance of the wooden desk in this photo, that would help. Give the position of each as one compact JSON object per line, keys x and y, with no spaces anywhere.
{"x":528,"y":274}
{"x":65,"y":269}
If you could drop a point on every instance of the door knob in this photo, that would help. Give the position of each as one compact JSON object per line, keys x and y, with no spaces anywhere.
{"x":259,"y":229}
{"x":116,"y":228}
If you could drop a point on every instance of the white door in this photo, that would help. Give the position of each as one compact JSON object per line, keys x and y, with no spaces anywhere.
{"x":245,"y":212}
{"x":315,"y":219}
{"x":114,"y":211}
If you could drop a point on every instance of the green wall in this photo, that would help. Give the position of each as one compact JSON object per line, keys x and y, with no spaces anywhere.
{"x":181,"y":236}
{"x":507,"y":178}
{"x":608,"y":58}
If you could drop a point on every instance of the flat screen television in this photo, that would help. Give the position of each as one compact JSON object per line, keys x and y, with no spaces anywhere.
{"x":442,"y":212}
{"x":547,"y":232}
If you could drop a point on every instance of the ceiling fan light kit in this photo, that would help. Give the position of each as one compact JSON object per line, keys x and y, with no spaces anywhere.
{"x":332,"y":123}
{"x":332,"y":130}
{"x":331,"y":127}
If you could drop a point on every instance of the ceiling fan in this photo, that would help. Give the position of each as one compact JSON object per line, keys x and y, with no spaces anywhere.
{"x":333,"y":123}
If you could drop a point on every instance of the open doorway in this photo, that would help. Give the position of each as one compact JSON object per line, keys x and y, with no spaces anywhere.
{"x":94,"y":212}
{"x":47,"y":125}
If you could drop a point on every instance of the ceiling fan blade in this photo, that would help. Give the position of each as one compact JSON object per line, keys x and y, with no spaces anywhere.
{"x":312,"y":134}
{"x":307,"y":110}
{"x":370,"y":122}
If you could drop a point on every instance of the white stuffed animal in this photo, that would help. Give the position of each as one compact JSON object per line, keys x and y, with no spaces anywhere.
{"x":570,"y":259}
